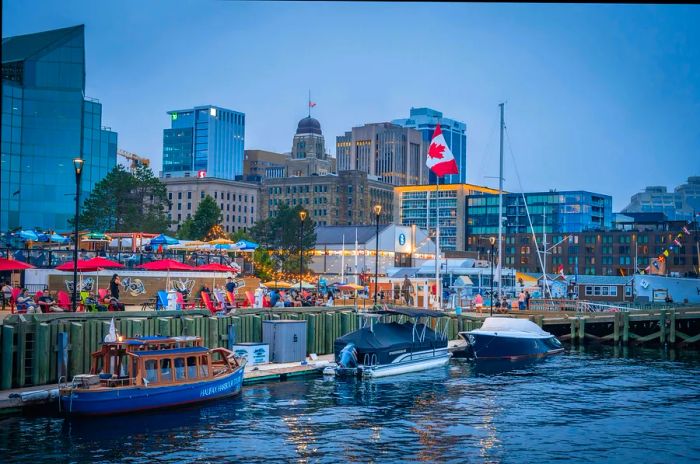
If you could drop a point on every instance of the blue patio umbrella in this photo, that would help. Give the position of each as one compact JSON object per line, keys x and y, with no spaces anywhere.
{"x":59,"y":238}
{"x":245,"y":245}
{"x":28,"y":235}
{"x":163,"y":239}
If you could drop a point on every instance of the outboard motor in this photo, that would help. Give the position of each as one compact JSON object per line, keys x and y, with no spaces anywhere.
{"x":348,"y":357}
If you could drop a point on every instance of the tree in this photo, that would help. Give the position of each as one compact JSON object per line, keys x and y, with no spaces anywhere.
{"x":239,"y":235}
{"x":205,"y":218}
{"x":125,"y":202}
{"x":280,"y":234}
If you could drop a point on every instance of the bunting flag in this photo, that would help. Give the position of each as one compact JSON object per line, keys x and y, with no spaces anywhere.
{"x":676,"y":243}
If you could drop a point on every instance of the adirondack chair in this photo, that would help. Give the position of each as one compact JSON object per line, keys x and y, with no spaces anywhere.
{"x":182,"y":304}
{"x":64,"y":301}
{"x":209,"y":304}
{"x":162,"y":301}
{"x":231,"y":299}
{"x":13,"y":301}
{"x":102,"y":292}
{"x":222,"y":302}
{"x":250,"y":298}
{"x":87,"y":307}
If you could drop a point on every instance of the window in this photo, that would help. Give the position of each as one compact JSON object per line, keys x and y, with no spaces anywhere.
{"x":589,"y":290}
{"x":596,"y":290}
{"x":613,"y":291}
{"x":151,"y":366}
{"x":628,"y":290}
{"x":179,"y":195}
{"x":192,"y":367}
{"x":180,"y":368}
{"x":189,"y":195}
{"x":166,"y":373}
{"x":203,"y":367}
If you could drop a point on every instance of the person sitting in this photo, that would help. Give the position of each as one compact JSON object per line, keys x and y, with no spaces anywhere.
{"x":47,"y":303}
{"x":26,"y":302}
{"x":205,"y":289}
{"x":6,"y":294}
{"x":112,"y":303}
{"x":92,"y":300}
{"x":274,"y":296}
{"x":288,"y":302}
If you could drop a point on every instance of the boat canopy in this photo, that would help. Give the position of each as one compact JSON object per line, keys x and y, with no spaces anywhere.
{"x":188,"y":350}
{"x":509,"y":324}
{"x":391,"y":337}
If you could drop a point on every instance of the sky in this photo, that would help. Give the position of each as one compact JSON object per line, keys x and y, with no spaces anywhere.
{"x":603,"y":98}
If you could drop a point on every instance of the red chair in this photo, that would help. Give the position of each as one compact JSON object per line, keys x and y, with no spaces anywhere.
{"x":250,"y":298}
{"x":64,"y":301}
{"x":209,"y":304}
{"x":102,"y":292}
{"x":13,"y":299}
{"x":184,"y":304}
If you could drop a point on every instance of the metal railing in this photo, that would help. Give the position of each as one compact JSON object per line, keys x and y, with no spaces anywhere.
{"x":584,"y":306}
{"x":48,"y":259}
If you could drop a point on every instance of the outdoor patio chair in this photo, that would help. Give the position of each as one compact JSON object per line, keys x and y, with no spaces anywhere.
{"x":209,"y":304}
{"x":102,"y":292}
{"x":64,"y":301}
{"x":222,"y":301}
{"x":231,"y":299}
{"x":13,"y":301}
{"x":162,"y":301}
{"x":185,"y":304}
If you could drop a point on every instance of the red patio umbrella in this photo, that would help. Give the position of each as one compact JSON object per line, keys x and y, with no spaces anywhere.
{"x":214,"y":267}
{"x":166,"y":265}
{"x":104,"y":263}
{"x":83,"y":266}
{"x":13,"y":265}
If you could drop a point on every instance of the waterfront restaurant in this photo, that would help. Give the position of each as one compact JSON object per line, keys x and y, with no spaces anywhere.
{"x":339,"y":247}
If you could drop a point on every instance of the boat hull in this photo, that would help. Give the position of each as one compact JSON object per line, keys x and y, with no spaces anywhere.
{"x":405,"y":367}
{"x":141,"y":398}
{"x":503,"y":346}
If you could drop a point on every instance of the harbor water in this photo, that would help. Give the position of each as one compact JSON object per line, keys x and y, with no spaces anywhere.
{"x":597,"y":405}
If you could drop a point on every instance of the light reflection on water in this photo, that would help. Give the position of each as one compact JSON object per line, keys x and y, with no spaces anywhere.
{"x":584,"y":406}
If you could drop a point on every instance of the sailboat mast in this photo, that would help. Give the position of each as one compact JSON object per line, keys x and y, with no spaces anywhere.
{"x":342,"y":262}
{"x":438,"y":292}
{"x":500,"y":209}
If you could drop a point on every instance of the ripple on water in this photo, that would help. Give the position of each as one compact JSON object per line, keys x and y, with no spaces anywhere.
{"x":584,"y":406}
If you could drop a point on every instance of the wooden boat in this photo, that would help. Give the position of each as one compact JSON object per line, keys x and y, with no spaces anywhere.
{"x":152,"y":372}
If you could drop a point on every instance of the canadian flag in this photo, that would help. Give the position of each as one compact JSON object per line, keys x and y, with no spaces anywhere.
{"x":440,"y":159}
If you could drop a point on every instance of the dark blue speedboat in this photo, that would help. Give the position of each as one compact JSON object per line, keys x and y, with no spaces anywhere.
{"x":152,"y":372}
{"x":509,"y":338}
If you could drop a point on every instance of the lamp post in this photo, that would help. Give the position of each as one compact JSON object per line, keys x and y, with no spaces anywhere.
{"x":377,"y":212}
{"x":78,"y":166}
{"x":492,"y":240}
{"x":302,"y":216}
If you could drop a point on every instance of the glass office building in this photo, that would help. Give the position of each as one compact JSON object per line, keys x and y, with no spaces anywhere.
{"x":205,"y":140}
{"x":551,"y":212}
{"x":46,"y":122}
{"x":425,"y":120}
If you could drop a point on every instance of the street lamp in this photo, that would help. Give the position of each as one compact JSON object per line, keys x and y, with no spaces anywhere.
{"x":302,"y":216}
{"x":492,"y":240}
{"x":377,"y":212}
{"x":78,"y":166}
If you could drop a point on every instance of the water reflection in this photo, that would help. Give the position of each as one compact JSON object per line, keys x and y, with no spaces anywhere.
{"x":548,"y":409}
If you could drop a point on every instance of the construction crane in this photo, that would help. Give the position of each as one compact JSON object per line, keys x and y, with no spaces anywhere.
{"x":135,"y":159}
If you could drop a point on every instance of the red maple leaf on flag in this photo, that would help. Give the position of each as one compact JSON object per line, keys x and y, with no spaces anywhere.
{"x":435,"y":151}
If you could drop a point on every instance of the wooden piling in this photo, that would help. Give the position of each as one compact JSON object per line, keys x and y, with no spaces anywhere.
{"x":662,"y":326}
{"x":581,"y":329}
{"x":625,"y":327}
{"x":76,"y":349}
{"x":40,"y":372}
{"x":616,"y":328}
{"x":574,"y":323}
{"x":8,"y":351}
{"x":672,"y":328}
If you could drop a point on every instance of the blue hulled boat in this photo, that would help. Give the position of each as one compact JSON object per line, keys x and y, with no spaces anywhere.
{"x":152,"y":372}
{"x":509,"y":338}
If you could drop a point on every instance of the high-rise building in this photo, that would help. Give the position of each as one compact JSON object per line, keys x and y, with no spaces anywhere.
{"x":309,"y":155}
{"x":343,"y":199}
{"x":205,"y":139}
{"x":550,"y":212}
{"x":416,"y":205}
{"x":238,"y":201}
{"x":425,"y":120}
{"x":682,"y":203}
{"x":46,"y":122}
{"x":388,"y":151}
{"x":261,"y":164}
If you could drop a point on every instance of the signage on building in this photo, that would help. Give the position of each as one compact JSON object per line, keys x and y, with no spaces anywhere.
{"x":402,"y":239}
{"x":201,"y":174}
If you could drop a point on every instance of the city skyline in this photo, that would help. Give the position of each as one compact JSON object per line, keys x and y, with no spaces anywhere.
{"x":599,"y":96}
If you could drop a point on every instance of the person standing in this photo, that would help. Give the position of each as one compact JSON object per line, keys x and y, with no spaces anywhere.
{"x":527,"y":300}
{"x":114,"y":286}
{"x":521,"y":301}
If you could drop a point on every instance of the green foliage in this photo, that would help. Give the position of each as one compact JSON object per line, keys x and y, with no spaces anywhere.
{"x":264,"y":265}
{"x":240,"y":234}
{"x":126,"y":202}
{"x":280,"y":235}
{"x":207,"y":216}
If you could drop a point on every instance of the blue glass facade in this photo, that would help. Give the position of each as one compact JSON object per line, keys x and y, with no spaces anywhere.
{"x":204,"y":138}
{"x":556,"y":212}
{"x":425,"y":120}
{"x":44,"y":115}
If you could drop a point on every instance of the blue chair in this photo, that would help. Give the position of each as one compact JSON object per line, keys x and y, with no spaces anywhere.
{"x":162,"y":301}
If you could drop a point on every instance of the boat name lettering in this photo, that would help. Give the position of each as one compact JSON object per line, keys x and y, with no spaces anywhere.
{"x":396,"y":352}
{"x":217,"y":389}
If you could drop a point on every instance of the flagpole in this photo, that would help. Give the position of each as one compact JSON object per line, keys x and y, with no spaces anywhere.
{"x":437,"y":242}
{"x":342,"y":262}
{"x":357,"y":277}
{"x":500,"y":211}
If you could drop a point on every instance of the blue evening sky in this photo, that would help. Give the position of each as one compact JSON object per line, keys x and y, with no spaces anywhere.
{"x":599,"y":97}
